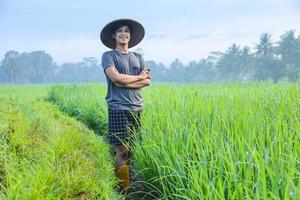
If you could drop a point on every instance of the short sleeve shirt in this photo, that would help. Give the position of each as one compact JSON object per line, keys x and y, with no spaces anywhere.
{"x":120,"y":98}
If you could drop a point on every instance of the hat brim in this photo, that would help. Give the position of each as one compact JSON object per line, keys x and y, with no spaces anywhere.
{"x":137,"y":32}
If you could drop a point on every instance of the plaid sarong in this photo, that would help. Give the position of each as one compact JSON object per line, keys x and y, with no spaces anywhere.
{"x":122,"y":125}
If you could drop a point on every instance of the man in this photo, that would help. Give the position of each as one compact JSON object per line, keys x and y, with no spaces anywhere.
{"x":126,"y":74}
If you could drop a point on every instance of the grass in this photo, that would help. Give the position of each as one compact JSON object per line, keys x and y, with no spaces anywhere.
{"x":45,"y":154}
{"x":210,"y":141}
{"x":84,"y":102}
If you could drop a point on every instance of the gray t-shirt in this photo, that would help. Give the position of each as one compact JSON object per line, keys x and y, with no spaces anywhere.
{"x":119,"y":98}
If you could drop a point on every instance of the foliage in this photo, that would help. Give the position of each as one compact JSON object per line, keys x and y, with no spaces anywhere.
{"x":44,"y":154}
{"x":234,"y":141}
{"x":79,"y":102}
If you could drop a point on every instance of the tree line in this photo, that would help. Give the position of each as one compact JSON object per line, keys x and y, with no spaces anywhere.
{"x":269,"y":60}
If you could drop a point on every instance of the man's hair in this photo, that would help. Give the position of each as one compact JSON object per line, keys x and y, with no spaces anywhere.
{"x":117,"y":26}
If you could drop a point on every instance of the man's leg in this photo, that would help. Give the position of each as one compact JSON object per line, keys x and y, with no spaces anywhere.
{"x":121,"y":165}
{"x":117,"y":134}
{"x":122,"y":124}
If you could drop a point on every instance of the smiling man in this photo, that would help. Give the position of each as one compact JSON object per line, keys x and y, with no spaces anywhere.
{"x":126,"y":74}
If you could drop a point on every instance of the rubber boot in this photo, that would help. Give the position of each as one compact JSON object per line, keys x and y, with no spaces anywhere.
{"x":122,"y":174}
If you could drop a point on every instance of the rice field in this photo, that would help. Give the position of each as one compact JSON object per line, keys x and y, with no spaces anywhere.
{"x":213,"y":141}
{"x":208,"y":141}
{"x":45,"y":154}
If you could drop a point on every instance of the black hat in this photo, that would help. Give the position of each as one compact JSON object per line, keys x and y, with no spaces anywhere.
{"x":137,"y":32}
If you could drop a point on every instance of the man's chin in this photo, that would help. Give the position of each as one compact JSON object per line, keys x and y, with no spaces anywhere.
{"x":123,"y":43}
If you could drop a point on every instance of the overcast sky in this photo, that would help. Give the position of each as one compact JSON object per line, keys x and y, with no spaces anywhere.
{"x":185,"y":29}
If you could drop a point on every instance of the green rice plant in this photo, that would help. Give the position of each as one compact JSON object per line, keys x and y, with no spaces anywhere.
{"x":221,"y":141}
{"x":86,"y":105}
{"x":234,"y":141}
{"x":44,"y":154}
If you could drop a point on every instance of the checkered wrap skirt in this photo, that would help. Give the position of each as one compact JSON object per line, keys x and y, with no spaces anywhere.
{"x":123,"y":125}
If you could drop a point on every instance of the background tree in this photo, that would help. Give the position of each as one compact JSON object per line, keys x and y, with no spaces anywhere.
{"x":288,"y":51}
{"x":176,"y":72}
{"x":269,"y":61}
{"x":158,"y":71}
{"x":3,"y":75}
{"x":10,"y":65}
{"x":41,"y":65}
{"x":247,"y":65}
{"x":229,"y":64}
{"x":265,"y":62}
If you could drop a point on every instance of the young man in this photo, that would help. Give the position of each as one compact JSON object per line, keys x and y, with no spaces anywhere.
{"x":126,"y":74}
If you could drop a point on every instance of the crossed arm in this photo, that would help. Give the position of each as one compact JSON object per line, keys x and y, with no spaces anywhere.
{"x":129,"y":81}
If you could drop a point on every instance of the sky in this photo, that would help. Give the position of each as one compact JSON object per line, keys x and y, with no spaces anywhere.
{"x":184,"y":29}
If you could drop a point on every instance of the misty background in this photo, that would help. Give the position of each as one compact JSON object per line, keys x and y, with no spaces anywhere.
{"x":185,"y":41}
{"x":270,"y":61}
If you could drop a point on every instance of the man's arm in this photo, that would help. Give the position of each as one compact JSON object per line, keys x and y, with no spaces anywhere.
{"x":137,"y":84}
{"x":123,"y":79}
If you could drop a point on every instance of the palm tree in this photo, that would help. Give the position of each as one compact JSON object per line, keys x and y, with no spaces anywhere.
{"x":247,"y":64}
{"x":265,"y":59}
{"x":265,"y":46}
{"x":229,"y":63}
{"x":287,"y":46}
{"x":289,"y":51}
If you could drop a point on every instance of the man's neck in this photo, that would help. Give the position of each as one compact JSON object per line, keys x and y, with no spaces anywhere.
{"x":123,"y":49}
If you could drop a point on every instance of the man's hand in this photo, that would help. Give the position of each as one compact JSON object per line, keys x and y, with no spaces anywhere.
{"x":145,"y":74}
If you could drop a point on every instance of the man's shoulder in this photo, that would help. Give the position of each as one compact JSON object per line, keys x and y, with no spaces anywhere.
{"x":136,"y":54}
{"x":108,"y":52}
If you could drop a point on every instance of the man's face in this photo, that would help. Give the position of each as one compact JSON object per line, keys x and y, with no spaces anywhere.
{"x":122,"y":35}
